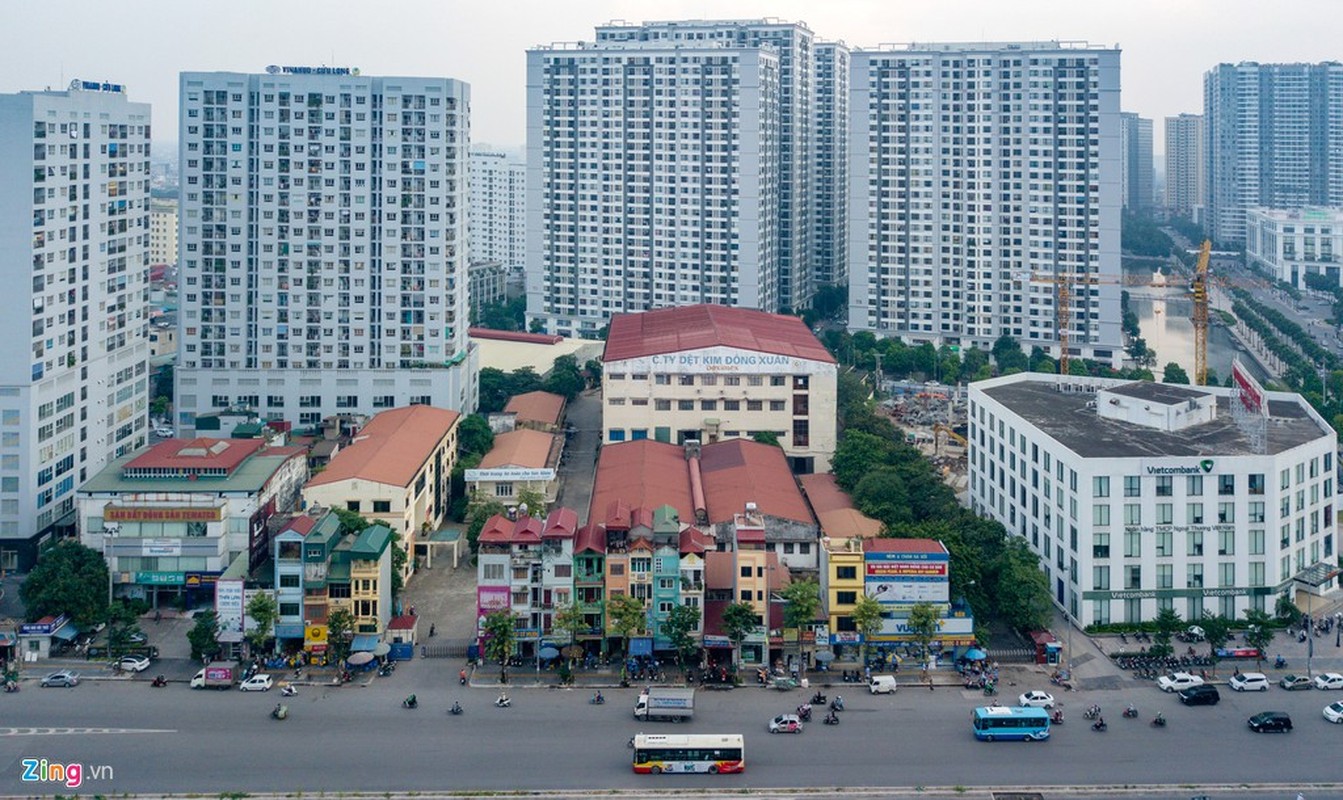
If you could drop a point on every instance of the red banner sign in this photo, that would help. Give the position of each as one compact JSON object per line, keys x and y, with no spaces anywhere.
{"x":133,"y":514}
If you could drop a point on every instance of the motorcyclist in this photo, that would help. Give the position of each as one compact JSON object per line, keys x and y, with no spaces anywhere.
{"x":503,"y":699}
{"x":597,"y":698}
{"x":411,"y":702}
{"x":461,"y":676}
{"x":1160,"y":719}
{"x":456,"y":707}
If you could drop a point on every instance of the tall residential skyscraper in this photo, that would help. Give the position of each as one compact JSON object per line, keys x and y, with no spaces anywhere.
{"x":498,"y":216}
{"x":324,"y":244}
{"x":1184,"y":165}
{"x":830,"y":171}
{"x":983,"y":184}
{"x":74,"y":243}
{"x":1135,"y":158}
{"x":1273,"y":137}
{"x":652,"y":179}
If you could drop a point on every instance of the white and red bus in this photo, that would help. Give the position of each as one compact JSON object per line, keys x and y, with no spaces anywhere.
{"x":713,"y":753}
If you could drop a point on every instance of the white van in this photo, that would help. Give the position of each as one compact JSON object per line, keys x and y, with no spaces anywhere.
{"x":882,"y":684}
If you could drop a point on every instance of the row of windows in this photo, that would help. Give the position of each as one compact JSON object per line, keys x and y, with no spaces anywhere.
{"x":665,"y":404}
{"x":666,"y":379}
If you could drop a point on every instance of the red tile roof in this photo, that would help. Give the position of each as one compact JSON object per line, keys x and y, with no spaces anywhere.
{"x":886,"y":545}
{"x":502,"y":530}
{"x":591,"y":537}
{"x":562,"y":523}
{"x":392,"y":447}
{"x":545,"y":408}
{"x":740,"y":471}
{"x":513,"y":336}
{"x":302,"y":525}
{"x":199,"y":453}
{"x":834,"y":509}
{"x":694,"y":540}
{"x":672,"y":330}
{"x":643,"y":473}
{"x":405,"y":622}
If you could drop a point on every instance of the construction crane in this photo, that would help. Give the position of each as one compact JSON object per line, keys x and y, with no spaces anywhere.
{"x":1064,"y":311}
{"x":1200,"y":288}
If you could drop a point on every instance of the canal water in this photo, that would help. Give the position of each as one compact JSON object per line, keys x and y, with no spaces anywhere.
{"x":1164,"y":320}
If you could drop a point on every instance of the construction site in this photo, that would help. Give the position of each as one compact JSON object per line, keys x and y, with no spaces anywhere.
{"x":932,"y":418}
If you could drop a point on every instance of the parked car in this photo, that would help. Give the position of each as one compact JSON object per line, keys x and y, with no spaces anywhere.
{"x":785,"y":723}
{"x":1249,"y":682}
{"x":61,"y":677}
{"x":257,"y":683}
{"x":1203,"y":695}
{"x":1177,"y":681}
{"x":133,"y":663}
{"x":1334,"y":713}
{"x":1329,"y":680}
{"x":1036,"y":699}
{"x":1271,"y":722}
{"x":1293,"y":683}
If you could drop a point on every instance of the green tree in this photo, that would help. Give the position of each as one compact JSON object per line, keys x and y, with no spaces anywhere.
{"x":866,"y":616}
{"x":160,"y":406}
{"x":339,"y":634}
{"x":1167,"y":623}
{"x":569,"y":620}
{"x":739,"y":622}
{"x":500,"y":633}
{"x":204,"y":636}
{"x":68,"y":579}
{"x":474,"y":436}
{"x":263,"y":610}
{"x":857,"y":454}
{"x":1174,"y":373}
{"x":121,"y":628}
{"x":565,"y":377}
{"x":479,"y":513}
{"x":680,"y":628}
{"x":350,"y":521}
{"x":766,"y":437}
{"x":1217,"y":629}
{"x":923,"y":619}
{"x":882,"y":495}
{"x":1020,"y":590}
{"x":1259,"y":633}
{"x":1286,"y":611}
{"x":802,"y":601}
{"x":1007,"y":354}
{"x":399,"y":559}
{"x":593,"y":370}
{"x":627,"y":617}
{"x":534,"y":501}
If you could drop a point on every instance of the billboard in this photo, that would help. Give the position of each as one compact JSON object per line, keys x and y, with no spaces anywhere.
{"x":510,"y":474}
{"x":113,"y":513}
{"x":1248,"y":390}
{"x":904,"y":578}
{"x":230,"y":607}
{"x":492,"y":598}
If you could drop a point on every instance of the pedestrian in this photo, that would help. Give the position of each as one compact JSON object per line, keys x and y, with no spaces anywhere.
{"x":431,"y":630}
{"x":412,"y":611}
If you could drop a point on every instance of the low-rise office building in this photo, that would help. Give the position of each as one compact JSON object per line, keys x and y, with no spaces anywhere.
{"x":1294,"y":243}
{"x":1144,"y":496}
{"x":523,"y":460}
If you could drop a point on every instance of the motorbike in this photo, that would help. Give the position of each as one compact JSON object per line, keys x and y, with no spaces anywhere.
{"x":410,"y":702}
{"x":1056,"y":717}
{"x":456,"y":709}
{"x":11,"y":687}
{"x":503,"y":702}
{"x":385,"y":670}
{"x":1279,"y":662}
{"x":990,"y":690}
{"x":159,"y":681}
{"x":461,"y":677}
{"x":1092,"y":712}
{"x":818,"y":699}
{"x":804,"y":712}
{"x":1098,"y":725}
{"x":831,"y":719}
{"x":597,"y":699}
{"x":837,"y":704}
{"x":280,"y":712}
{"x":289,"y":691}
{"x":1159,"y":721}
{"x":1131,"y":713}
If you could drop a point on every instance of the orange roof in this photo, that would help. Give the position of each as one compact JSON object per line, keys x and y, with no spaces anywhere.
{"x":740,"y":471}
{"x":502,"y":530}
{"x":392,"y":447}
{"x":520,"y":448}
{"x":543,"y":407}
{"x":639,"y":473}
{"x":834,"y":509}
{"x":199,"y":453}
{"x":671,"y":330}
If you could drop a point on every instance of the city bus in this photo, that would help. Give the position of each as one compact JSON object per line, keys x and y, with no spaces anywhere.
{"x":715,"y":753}
{"x":1004,"y":722}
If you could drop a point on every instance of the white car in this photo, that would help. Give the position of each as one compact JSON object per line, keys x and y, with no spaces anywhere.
{"x":1334,"y":713}
{"x":134,"y":663}
{"x":1249,"y":682}
{"x":257,"y":683}
{"x":1178,"y":681}
{"x":1036,"y":699}
{"x":1329,"y":680}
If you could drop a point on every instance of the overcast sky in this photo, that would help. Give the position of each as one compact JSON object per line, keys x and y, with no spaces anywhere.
{"x":144,"y":44}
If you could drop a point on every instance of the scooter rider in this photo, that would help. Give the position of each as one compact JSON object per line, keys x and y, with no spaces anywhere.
{"x":597,"y":698}
{"x":410,"y":702}
{"x":503,"y":701}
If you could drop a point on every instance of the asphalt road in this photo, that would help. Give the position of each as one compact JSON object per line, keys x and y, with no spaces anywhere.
{"x":360,"y":739}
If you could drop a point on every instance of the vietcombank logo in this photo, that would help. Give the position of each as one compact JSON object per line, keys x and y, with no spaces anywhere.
{"x":1203,"y":467}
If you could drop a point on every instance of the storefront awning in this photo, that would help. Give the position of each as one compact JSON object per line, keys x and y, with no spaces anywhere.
{"x":65,"y":633}
{"x":364,"y":642}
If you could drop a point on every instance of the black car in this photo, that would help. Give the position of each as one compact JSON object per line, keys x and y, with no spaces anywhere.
{"x":1204,"y":695}
{"x":1271,"y":722}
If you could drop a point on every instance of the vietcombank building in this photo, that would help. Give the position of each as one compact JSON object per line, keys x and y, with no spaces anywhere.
{"x":1139,"y":496}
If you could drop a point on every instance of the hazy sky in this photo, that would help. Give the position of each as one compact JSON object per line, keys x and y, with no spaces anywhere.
{"x":144,"y":44}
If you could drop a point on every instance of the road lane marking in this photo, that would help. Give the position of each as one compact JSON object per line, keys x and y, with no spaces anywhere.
{"x":77,"y":731}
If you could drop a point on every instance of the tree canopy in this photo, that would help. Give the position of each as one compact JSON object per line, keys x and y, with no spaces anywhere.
{"x":68,"y":579}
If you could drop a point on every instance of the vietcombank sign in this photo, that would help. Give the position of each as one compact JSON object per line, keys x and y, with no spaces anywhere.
{"x":1201,"y":468}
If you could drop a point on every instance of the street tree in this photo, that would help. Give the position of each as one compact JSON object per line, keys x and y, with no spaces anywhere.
{"x":339,"y":634}
{"x":802,"y":599}
{"x":923,"y":619}
{"x":565,"y":378}
{"x":121,"y":628}
{"x":739,"y":622}
{"x":500,"y":632}
{"x":1167,"y":623}
{"x":1020,"y":590}
{"x":263,"y":610}
{"x":1259,"y":633}
{"x":569,"y":620}
{"x":866,"y":616}
{"x":69,"y":579}
{"x":204,"y":636}
{"x":1217,"y":629}
{"x":680,"y":627}
{"x":627,"y":616}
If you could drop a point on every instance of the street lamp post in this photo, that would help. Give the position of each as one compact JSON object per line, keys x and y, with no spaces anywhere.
{"x":108,"y":535}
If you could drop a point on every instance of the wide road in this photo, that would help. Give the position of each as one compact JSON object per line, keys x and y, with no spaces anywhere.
{"x":358,"y":738}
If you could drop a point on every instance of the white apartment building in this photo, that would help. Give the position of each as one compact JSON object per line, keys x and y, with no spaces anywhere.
{"x":74,"y":234}
{"x":498,"y":209}
{"x":1294,"y":243}
{"x":983,"y":182}
{"x":1135,"y":156}
{"x":323,"y":239}
{"x":652,"y":179}
{"x":1141,"y":496}
{"x":1273,"y":137}
{"x":163,"y":231}
{"x":830,"y":165}
{"x":1184,"y":165}
{"x":793,"y":42}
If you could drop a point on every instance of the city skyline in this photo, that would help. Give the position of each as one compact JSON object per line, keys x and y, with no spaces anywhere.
{"x":1166,"y":48}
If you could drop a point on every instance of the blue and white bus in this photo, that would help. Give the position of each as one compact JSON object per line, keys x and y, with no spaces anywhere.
{"x":1004,"y":722}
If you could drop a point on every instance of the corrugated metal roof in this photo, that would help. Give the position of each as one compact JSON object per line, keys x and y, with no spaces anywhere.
{"x":392,"y":447}
{"x":672,"y":330}
{"x":199,"y":453}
